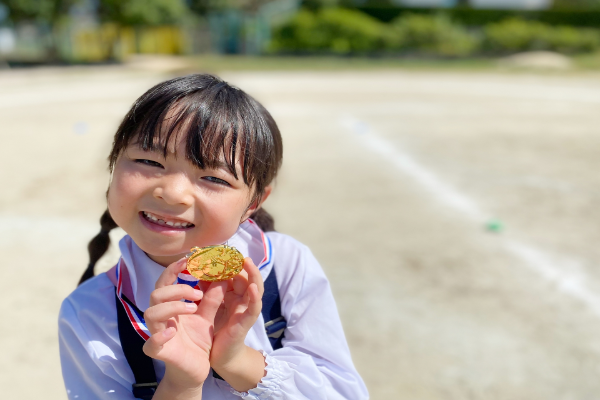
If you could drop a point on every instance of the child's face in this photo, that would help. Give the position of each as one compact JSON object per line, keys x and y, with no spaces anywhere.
{"x":146,"y":188}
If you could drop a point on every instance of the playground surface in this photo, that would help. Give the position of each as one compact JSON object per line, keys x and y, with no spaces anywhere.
{"x":455,"y":213}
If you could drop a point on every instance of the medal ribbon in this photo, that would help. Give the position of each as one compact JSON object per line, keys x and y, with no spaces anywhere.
{"x":137,"y":320}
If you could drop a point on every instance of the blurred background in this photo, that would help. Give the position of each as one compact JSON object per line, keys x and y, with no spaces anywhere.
{"x":441,"y":161}
{"x":34,"y":32}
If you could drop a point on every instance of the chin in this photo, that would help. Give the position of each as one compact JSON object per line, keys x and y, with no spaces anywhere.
{"x":162,"y":249}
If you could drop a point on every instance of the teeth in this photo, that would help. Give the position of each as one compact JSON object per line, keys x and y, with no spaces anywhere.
{"x":150,"y":216}
{"x":168,"y":223}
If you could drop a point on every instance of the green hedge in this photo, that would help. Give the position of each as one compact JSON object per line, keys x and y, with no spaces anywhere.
{"x":331,"y":30}
{"x":481,"y":17}
{"x":431,"y":35}
{"x":346,"y":31}
{"x":514,"y":35}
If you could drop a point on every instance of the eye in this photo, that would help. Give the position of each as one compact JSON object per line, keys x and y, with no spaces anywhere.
{"x":148,"y":162}
{"x":216,"y":180}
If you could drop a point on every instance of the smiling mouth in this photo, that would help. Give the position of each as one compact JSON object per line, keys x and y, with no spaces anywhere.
{"x":162,"y":221}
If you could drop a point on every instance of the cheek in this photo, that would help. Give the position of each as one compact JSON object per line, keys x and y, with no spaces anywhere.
{"x":226,"y":211}
{"x":123,"y":192}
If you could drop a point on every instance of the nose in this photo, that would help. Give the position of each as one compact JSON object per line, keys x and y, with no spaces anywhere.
{"x":175,"y":189}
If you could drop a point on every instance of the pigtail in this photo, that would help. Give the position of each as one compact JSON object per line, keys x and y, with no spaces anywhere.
{"x":98,"y":245}
{"x":263,"y":219}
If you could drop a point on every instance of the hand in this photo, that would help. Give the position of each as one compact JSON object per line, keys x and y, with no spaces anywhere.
{"x":182,"y":333}
{"x":241,"y":366}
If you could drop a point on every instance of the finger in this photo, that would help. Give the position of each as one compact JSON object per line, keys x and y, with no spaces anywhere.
{"x":254,"y":300}
{"x":234,"y":303}
{"x":155,"y":343}
{"x":204,"y":285}
{"x":254,"y":306}
{"x":156,"y":317}
{"x":169,"y":275}
{"x":220,"y":318}
{"x":254,"y":275}
{"x":229,"y":285}
{"x":174,"y":293}
{"x":213,"y":297}
{"x":240,"y":283}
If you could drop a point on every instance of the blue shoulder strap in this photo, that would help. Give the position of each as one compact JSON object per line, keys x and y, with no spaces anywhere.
{"x":143,"y":370}
{"x":275,"y":324}
{"x":141,"y":364}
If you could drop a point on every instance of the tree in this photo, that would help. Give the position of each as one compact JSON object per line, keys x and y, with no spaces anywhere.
{"x":577,"y":4}
{"x":202,"y":7}
{"x":44,"y":11}
{"x":139,"y":13}
{"x":142,"y":12}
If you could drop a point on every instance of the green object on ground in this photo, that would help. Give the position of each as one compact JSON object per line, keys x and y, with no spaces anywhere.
{"x":494,"y":226}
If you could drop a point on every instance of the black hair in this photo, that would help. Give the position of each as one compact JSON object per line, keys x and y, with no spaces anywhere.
{"x":218,"y":122}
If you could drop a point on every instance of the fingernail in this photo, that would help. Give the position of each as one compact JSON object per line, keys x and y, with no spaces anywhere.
{"x":198,"y":293}
{"x":190,"y":306}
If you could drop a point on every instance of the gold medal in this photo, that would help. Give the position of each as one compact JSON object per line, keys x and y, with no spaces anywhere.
{"x":215,"y":263}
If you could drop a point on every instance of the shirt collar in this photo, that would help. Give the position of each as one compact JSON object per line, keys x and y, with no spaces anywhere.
{"x":143,"y":272}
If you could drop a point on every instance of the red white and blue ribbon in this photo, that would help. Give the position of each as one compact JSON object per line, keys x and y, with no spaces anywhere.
{"x":184,"y":277}
{"x":136,"y":319}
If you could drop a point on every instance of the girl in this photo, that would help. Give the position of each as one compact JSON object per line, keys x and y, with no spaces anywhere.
{"x":191,"y":164}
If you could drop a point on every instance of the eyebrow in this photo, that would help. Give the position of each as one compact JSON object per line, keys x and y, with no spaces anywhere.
{"x":220,"y":165}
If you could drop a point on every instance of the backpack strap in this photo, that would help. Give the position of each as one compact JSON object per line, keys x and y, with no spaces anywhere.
{"x":275,"y":324}
{"x":143,"y":369}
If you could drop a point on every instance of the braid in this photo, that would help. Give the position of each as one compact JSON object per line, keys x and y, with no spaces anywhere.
{"x":264,"y":220}
{"x":98,"y":245}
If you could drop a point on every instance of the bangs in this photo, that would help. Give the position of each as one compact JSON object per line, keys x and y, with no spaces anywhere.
{"x":218,"y":123}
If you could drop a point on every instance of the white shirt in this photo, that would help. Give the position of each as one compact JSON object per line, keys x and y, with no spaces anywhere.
{"x":314,"y":362}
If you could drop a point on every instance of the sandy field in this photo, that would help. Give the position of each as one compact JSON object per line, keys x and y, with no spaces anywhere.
{"x":456,"y":215}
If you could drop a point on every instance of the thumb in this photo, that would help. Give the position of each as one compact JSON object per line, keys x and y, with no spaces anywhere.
{"x":254,"y":309}
{"x":211,"y":301}
{"x":156,"y":342}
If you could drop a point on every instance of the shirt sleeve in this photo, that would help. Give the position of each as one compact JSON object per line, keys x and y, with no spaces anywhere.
{"x":87,"y":361}
{"x":314,"y":362}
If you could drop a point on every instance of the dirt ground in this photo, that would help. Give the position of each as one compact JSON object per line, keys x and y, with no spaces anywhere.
{"x":456,"y":215}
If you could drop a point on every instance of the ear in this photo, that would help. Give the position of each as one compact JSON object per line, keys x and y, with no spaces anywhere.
{"x":256,"y":204}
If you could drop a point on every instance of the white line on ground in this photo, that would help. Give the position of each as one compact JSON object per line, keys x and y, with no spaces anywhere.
{"x":409,"y":166}
{"x":568,"y":279}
